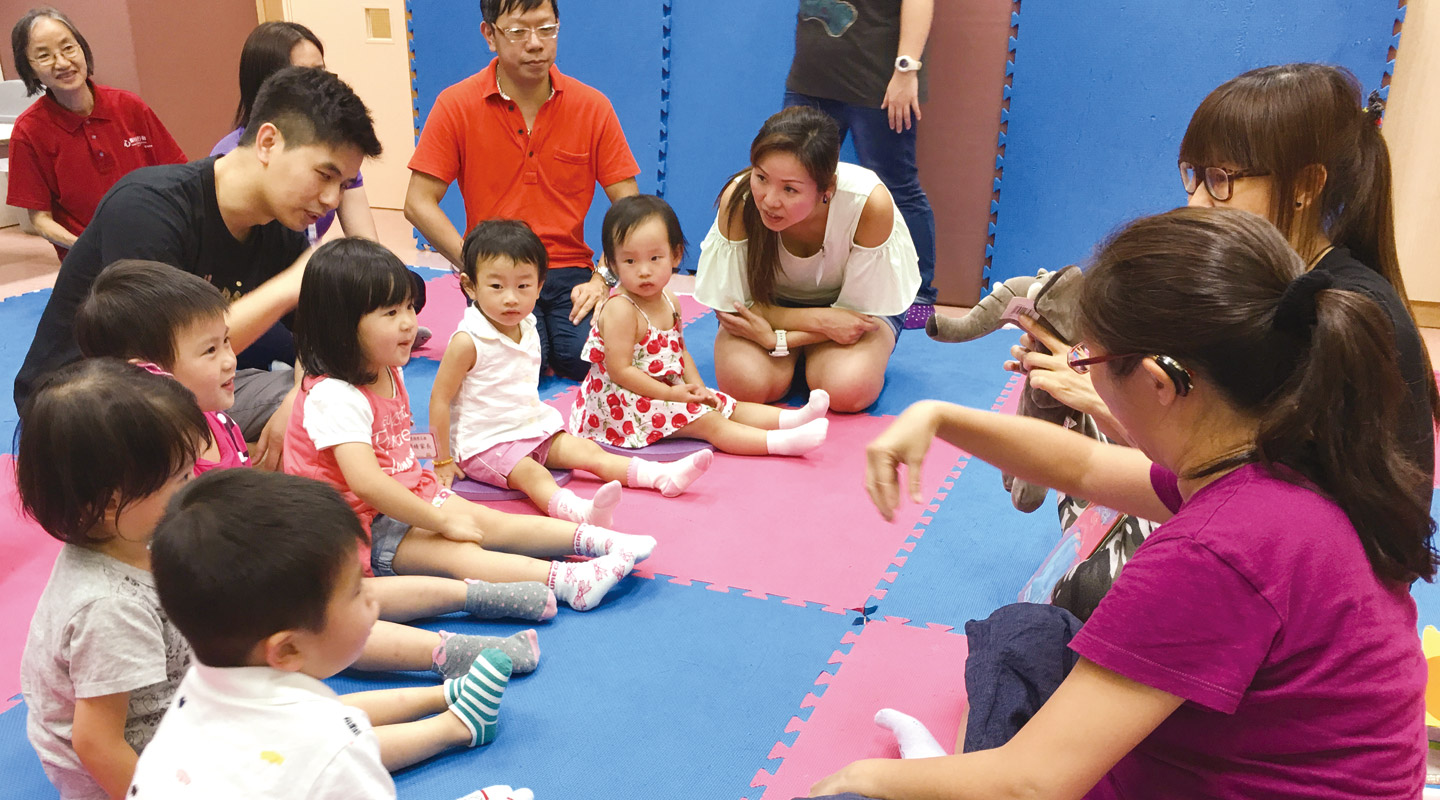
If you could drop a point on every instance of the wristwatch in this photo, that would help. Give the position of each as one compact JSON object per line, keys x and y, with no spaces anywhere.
{"x":606,"y":274}
{"x":907,"y":64}
{"x":780,"y":348}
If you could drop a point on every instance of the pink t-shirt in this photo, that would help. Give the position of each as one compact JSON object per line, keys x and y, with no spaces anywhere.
{"x":231,"y":442}
{"x":1301,"y":669}
{"x":331,"y":412}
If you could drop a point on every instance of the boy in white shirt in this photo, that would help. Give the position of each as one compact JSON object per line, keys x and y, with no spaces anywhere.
{"x":260,"y":572}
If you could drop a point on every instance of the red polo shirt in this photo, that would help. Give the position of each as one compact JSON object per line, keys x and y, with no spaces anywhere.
{"x":545,"y":177}
{"x":64,"y":163}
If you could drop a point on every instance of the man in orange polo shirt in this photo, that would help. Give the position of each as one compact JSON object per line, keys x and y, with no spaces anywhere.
{"x":525,"y":142}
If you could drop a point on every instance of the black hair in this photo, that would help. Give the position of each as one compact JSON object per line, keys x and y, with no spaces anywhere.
{"x":267,"y":51}
{"x":20,"y":46}
{"x":491,"y":10}
{"x":629,"y":213}
{"x":508,"y":238}
{"x":345,"y":280}
{"x":1216,"y":289}
{"x":136,"y":308}
{"x":312,"y":106}
{"x":813,"y":138}
{"x":97,"y":432}
{"x":243,"y":554}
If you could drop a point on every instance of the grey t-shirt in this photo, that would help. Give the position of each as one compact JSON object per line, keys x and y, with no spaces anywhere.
{"x":845,"y":50}
{"x":98,"y":630}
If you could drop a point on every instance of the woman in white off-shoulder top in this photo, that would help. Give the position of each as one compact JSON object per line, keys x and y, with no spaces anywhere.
{"x":808,"y":263}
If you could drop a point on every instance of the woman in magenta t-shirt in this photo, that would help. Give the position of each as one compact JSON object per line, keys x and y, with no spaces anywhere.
{"x":1262,"y":642}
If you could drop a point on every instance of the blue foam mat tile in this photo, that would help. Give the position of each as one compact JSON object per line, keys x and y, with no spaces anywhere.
{"x":1427,"y":595}
{"x":24,"y":779}
{"x":21,"y":314}
{"x":974,"y":555}
{"x":663,"y":691}
{"x":1127,"y":105}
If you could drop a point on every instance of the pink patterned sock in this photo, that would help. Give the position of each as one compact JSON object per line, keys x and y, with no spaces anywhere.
{"x":583,"y":584}
{"x":797,"y":441}
{"x":670,"y":478}
{"x":815,"y":409}
{"x":592,"y":540}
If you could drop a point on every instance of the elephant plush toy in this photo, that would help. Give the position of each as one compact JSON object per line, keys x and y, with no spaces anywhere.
{"x":1056,"y":296}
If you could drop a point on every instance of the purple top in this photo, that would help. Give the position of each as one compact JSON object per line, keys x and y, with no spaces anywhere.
{"x":1301,"y":669}
{"x":232,"y":141}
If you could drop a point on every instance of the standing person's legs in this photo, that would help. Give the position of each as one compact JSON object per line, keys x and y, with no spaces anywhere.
{"x":892,"y":156}
{"x":834,"y":108}
{"x":561,"y":341}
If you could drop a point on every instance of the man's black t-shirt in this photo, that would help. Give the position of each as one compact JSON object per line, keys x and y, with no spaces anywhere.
{"x":168,"y":214}
{"x":1418,"y":433}
{"x":845,"y":50}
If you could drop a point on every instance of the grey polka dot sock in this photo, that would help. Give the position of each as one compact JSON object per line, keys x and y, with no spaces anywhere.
{"x":457,"y":651}
{"x":530,"y":600}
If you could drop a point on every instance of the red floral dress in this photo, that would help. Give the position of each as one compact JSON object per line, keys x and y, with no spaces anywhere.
{"x":608,"y":413}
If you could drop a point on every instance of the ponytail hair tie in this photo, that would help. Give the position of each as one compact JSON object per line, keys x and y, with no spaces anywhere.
{"x":1374,"y":108}
{"x":1296,"y":311}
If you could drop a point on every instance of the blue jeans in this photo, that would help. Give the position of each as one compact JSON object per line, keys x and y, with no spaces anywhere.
{"x":560,"y":341}
{"x":892,"y":156}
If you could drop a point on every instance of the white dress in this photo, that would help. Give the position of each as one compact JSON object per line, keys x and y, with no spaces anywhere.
{"x":879,"y":281}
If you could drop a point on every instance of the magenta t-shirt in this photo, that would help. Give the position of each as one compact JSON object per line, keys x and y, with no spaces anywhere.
{"x":1301,"y":669}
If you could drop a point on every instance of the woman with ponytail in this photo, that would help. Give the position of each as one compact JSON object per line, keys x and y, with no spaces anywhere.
{"x":1300,"y":145}
{"x":1261,"y":642}
{"x":808,"y":267}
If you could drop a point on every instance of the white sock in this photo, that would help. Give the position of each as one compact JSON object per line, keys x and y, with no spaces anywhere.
{"x":797,"y":441}
{"x":599,"y":510}
{"x":592,"y":540}
{"x":672,"y":478}
{"x":815,"y":409}
{"x":583,"y":584}
{"x":914,"y":738}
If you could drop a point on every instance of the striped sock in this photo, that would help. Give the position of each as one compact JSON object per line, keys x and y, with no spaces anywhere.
{"x":475,"y":697}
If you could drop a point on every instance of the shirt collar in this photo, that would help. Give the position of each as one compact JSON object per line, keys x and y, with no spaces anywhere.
{"x":69,"y":120}
{"x":491,"y":81}
{"x":261,"y":684}
{"x":483,"y":328}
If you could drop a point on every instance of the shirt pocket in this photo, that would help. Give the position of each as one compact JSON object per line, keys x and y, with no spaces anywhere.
{"x":572,"y":173}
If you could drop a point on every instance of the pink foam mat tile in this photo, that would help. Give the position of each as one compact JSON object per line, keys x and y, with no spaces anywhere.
{"x":919,"y":670}
{"x":801,"y":529}
{"x":691,"y":309}
{"x":444,"y":306}
{"x":26,"y":555}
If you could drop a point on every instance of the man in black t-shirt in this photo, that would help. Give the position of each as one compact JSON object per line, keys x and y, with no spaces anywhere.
{"x":238,"y":221}
{"x":860,"y":62}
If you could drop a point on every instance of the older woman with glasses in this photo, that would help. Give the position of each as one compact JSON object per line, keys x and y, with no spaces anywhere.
{"x":69,"y":148}
{"x":1261,"y":642}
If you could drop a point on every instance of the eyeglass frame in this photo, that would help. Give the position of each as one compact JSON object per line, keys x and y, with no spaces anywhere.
{"x":1180,"y":376}
{"x":1204,"y":174}
{"x":48,"y":60}
{"x":524,"y":33}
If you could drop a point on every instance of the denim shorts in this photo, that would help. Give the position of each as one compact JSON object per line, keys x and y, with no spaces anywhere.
{"x":896,"y":322}
{"x":385,"y":536}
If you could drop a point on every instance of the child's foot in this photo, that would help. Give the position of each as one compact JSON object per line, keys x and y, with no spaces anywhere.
{"x":595,"y":541}
{"x":670,"y":479}
{"x":598,"y":510}
{"x":797,"y":441}
{"x":914,"y":738}
{"x":530,"y":600}
{"x":815,"y":409}
{"x":457,"y":651}
{"x":475,"y":697}
{"x":584,"y":584}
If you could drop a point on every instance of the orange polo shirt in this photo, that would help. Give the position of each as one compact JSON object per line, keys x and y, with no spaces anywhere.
{"x":545,"y":177}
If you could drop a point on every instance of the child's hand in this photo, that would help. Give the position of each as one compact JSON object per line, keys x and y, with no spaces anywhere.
{"x":694,"y":393}
{"x":459,"y":525}
{"x":447,"y":473}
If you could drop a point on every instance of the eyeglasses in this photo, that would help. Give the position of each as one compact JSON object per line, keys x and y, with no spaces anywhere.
{"x":518,"y":35}
{"x":1080,"y":360}
{"x":71,"y":52}
{"x":1219,"y":182}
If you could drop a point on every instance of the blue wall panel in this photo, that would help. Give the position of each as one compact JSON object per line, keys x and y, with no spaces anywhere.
{"x":1103,"y":92}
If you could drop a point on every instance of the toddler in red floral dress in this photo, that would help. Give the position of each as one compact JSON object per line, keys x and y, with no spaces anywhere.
{"x":644,"y":386}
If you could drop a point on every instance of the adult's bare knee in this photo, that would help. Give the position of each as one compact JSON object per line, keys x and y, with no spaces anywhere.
{"x":851,"y":394}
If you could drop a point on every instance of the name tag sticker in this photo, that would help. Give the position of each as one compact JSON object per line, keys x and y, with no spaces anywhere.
{"x":423,"y":444}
